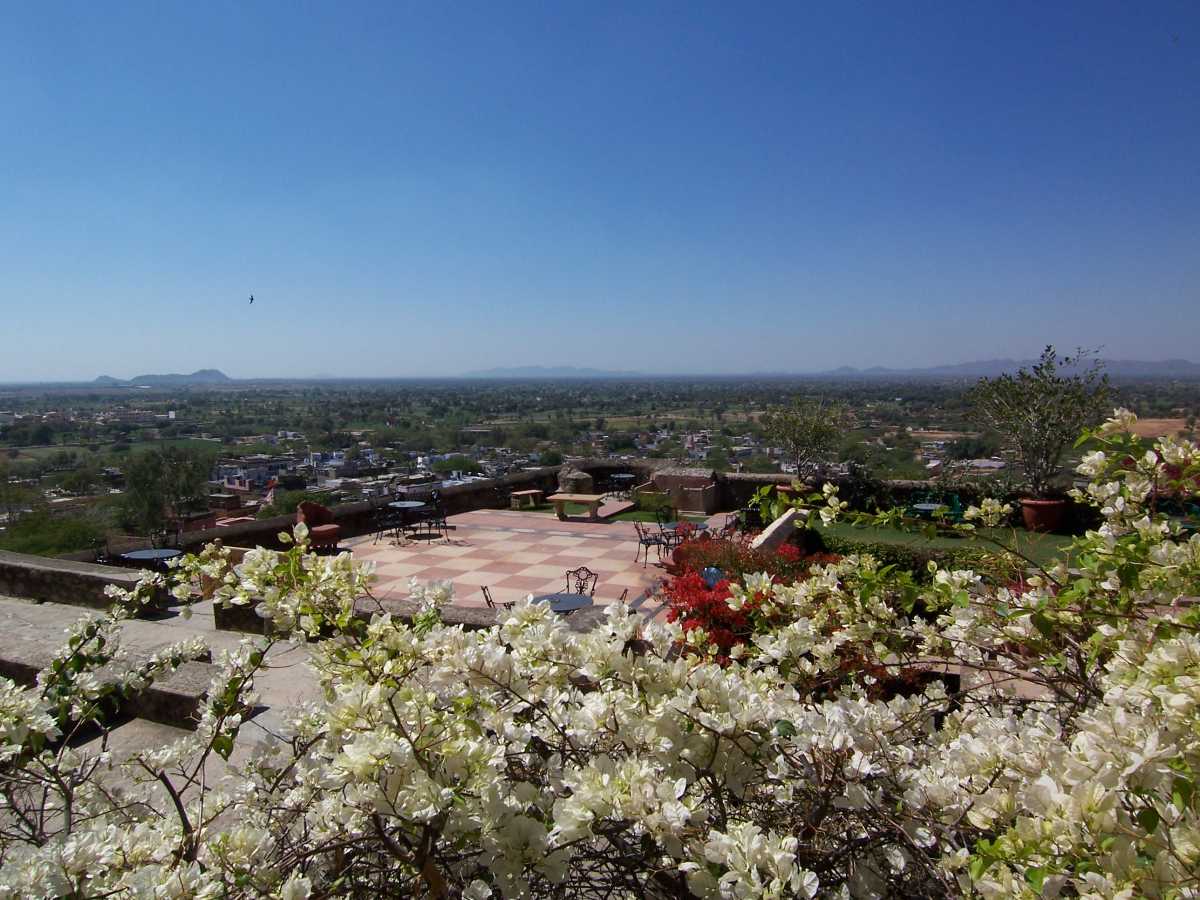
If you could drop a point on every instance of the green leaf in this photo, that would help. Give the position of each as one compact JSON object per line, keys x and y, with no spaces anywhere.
{"x":223,"y":744}
{"x":978,"y":866}
{"x":1043,"y":624}
{"x":784,"y":728}
{"x":1035,"y":876}
{"x":1148,"y":818}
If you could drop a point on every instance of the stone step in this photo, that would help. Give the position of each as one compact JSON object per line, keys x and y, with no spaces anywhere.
{"x":615,"y":507}
{"x":34,"y":634}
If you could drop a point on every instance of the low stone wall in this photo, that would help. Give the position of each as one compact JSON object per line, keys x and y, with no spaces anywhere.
{"x":356,"y":519}
{"x":62,"y":580}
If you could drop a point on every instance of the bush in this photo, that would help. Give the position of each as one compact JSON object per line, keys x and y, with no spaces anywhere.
{"x":906,"y":556}
{"x":694,"y":604}
{"x":286,"y":502}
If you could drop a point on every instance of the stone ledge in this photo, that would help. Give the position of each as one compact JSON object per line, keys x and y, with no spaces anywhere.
{"x":470,"y":617}
{"x":62,"y":580}
{"x":173,"y":699}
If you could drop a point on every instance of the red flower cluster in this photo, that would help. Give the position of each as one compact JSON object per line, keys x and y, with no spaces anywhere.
{"x":696,"y":605}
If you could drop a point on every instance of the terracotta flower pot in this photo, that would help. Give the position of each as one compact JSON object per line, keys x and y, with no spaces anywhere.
{"x":1043,"y":515}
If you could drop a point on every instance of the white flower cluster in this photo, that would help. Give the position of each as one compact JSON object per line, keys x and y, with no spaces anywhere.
{"x":990,"y":512}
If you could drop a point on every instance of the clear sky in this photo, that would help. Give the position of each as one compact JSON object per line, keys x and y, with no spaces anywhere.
{"x":684,"y":187}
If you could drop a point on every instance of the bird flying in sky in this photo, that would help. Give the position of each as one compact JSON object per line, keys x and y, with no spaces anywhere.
{"x":251,"y":298}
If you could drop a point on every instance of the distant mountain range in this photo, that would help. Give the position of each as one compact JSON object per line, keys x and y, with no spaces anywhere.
{"x":548,"y":372}
{"x":200,"y":376}
{"x":986,"y":368}
{"x":990,"y":368}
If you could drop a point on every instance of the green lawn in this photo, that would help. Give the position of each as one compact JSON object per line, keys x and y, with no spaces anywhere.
{"x":1041,"y":548}
{"x":632,"y":515}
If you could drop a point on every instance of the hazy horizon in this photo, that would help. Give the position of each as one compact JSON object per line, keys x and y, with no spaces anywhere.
{"x":426,"y":191}
{"x":498,"y":370}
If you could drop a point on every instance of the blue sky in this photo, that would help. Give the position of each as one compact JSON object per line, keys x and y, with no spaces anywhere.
{"x":684,"y":187}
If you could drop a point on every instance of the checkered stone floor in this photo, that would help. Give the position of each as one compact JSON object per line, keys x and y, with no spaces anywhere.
{"x":515,"y":554}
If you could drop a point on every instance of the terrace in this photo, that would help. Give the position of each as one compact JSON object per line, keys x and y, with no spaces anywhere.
{"x":513,"y":554}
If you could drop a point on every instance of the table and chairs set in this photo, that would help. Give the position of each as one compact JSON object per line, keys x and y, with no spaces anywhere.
{"x":579,"y":592}
{"x":667,"y":533}
{"x":412,"y":520}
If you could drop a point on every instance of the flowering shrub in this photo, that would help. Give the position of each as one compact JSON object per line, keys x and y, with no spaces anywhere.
{"x":528,"y":759}
{"x":735,"y":558}
{"x":703,"y":609}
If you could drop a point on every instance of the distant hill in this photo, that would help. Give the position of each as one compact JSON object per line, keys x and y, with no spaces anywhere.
{"x":990,"y":368}
{"x":547,"y":372}
{"x":200,"y":376}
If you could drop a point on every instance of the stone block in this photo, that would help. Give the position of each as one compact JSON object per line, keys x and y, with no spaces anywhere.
{"x":777,"y":533}
{"x":174,"y":699}
{"x":574,"y":481}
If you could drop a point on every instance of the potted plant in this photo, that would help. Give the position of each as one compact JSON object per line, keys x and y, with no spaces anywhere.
{"x":1042,"y":410}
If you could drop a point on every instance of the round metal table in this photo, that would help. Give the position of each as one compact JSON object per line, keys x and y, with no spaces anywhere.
{"x":406,"y":508}
{"x":685,"y":527}
{"x":160,"y":554}
{"x":565,"y":602}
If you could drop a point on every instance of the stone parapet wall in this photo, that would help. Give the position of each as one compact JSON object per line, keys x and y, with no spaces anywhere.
{"x":61,"y":580}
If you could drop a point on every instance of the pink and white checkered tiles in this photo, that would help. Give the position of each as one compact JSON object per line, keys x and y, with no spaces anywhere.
{"x":514,"y":554}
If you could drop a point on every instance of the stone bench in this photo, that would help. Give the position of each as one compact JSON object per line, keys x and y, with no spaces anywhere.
{"x":591,"y":501}
{"x":517,"y":498}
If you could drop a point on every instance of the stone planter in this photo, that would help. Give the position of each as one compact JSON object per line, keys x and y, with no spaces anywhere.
{"x":1043,"y":515}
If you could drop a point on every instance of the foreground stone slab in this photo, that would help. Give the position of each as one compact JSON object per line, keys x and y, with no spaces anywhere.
{"x":777,"y":533}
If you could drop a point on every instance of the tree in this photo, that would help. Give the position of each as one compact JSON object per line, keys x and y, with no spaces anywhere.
{"x":807,"y":431}
{"x":457,"y":463}
{"x":44,"y":534}
{"x":165,"y":483}
{"x":15,"y":498}
{"x":1041,"y":410}
{"x":82,"y":480}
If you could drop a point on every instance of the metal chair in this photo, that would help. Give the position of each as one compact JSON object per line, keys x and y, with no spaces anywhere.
{"x":646,"y":540}
{"x":384,"y":520}
{"x":487,"y":598}
{"x":103,"y":555}
{"x":582,"y":581}
{"x":624,"y":598}
{"x":730,"y":528}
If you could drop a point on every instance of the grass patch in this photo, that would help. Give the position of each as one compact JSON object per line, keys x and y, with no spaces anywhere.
{"x":630,"y":515}
{"x":1043,"y":549}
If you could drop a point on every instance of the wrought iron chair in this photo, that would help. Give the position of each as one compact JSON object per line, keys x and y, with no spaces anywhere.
{"x":487,"y":598}
{"x":582,"y":581}
{"x":646,"y":540}
{"x":730,"y":528}
{"x":624,"y":598}
{"x":383,"y":521}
